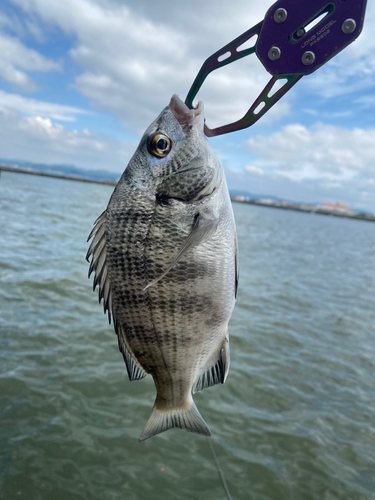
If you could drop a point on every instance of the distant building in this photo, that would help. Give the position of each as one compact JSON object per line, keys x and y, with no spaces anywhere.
{"x":336,"y":207}
{"x":240,"y":198}
{"x":265,"y":201}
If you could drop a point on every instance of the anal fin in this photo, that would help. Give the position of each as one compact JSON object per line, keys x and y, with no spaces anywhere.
{"x":134,"y":369}
{"x":217,"y":372}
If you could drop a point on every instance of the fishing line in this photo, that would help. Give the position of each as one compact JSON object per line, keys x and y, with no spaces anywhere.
{"x":219,"y":471}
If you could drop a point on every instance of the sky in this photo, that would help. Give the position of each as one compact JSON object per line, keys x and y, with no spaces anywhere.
{"x":80,"y":81}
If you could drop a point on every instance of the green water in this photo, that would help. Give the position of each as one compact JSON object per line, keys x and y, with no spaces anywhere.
{"x":295,"y":419}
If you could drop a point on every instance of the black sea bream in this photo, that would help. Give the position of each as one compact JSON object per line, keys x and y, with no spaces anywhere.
{"x":164,"y":254}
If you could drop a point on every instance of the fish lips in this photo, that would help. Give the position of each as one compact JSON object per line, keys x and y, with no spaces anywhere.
{"x":186,"y":117}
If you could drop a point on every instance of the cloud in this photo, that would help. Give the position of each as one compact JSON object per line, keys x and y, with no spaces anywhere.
{"x":253,"y":170}
{"x":351,"y":71}
{"x":321,"y":151}
{"x":41,"y":140}
{"x":15,"y":55}
{"x":33,"y":107}
{"x":311,"y":172}
{"x":129,"y":57}
{"x":134,"y":57}
{"x":11,"y":23}
{"x":319,"y":160}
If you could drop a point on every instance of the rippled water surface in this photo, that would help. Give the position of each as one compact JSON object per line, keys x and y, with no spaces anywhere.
{"x":295,"y":419}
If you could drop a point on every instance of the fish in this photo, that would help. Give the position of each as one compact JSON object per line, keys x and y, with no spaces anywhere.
{"x":164,"y":256}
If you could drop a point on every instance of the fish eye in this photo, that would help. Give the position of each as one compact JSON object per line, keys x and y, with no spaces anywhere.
{"x":160,"y":145}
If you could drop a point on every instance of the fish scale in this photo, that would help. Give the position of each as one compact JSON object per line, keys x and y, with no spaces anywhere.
{"x":127,"y":233}
{"x":168,"y":266}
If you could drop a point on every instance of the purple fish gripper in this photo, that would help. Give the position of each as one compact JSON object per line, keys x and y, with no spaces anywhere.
{"x":294,"y":39}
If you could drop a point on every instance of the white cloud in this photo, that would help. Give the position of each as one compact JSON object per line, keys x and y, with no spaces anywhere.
{"x":134,"y":56}
{"x":33,"y":107}
{"x":11,"y":23}
{"x":14,"y":55}
{"x":321,"y":159}
{"x":253,"y":170}
{"x":23,"y":26}
{"x":311,"y":172}
{"x":353,"y":69}
{"x":322,"y":150}
{"x":39,"y":139}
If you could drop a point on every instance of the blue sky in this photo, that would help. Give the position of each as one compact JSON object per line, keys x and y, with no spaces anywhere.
{"x":80,"y":80}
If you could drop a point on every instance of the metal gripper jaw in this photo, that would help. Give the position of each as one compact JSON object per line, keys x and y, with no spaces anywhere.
{"x":293,"y":40}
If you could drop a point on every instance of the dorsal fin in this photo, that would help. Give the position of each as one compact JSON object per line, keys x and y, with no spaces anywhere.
{"x":98,"y":264}
{"x":98,"y":253}
{"x":217,"y":372}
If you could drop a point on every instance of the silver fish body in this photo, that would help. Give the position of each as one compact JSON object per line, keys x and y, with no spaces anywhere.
{"x":164,"y":255}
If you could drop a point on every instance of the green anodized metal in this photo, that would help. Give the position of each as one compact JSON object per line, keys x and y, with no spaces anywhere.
{"x":226,"y":55}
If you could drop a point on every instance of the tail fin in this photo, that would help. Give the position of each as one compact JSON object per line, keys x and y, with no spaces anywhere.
{"x":187,"y":418}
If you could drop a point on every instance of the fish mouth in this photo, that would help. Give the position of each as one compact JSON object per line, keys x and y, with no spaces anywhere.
{"x":183,"y":171}
{"x":185,"y":116}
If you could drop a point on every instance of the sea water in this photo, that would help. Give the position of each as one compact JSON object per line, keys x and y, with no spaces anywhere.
{"x":295,"y":419}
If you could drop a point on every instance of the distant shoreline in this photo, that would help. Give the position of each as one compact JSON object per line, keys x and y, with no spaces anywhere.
{"x":297,"y":208}
{"x":55,"y":176}
{"x":234,"y":199}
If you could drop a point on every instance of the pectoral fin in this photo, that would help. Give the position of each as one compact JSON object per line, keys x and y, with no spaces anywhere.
{"x":203,"y":230}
